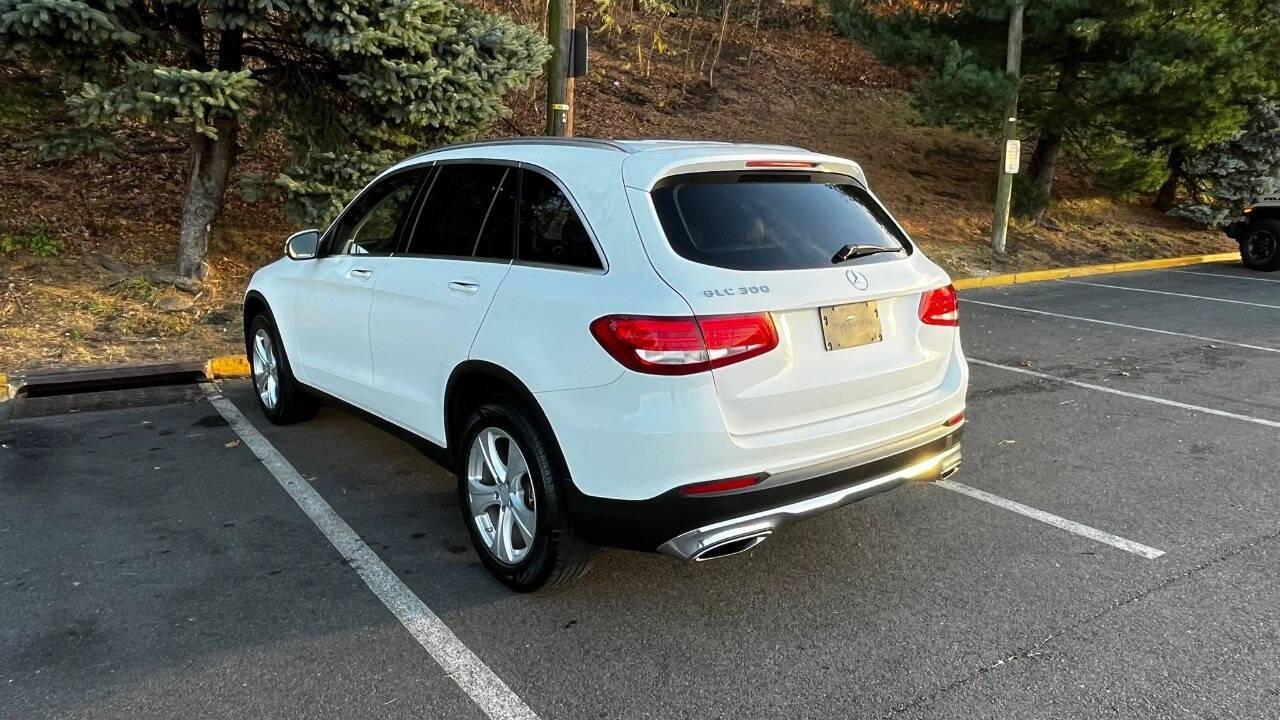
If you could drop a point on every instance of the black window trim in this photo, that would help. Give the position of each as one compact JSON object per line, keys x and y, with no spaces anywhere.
{"x":420,"y":204}
{"x":582,"y":217}
{"x":324,"y":249}
{"x":424,"y":188}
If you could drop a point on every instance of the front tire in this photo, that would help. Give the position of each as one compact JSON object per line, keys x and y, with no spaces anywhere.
{"x":280,"y":396}
{"x":1260,"y":248}
{"x":511,"y":487}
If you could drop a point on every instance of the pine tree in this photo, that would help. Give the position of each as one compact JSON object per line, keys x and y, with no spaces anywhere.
{"x":351,"y":83}
{"x":1126,"y":86}
{"x":1228,"y":175}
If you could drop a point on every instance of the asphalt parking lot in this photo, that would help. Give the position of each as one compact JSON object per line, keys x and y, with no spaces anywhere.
{"x":1110,"y":551}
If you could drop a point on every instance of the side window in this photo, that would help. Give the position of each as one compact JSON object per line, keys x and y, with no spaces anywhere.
{"x":550,"y":229}
{"x":469,"y":212}
{"x":370,"y":225}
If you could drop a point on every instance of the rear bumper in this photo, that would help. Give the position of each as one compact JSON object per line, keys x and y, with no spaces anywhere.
{"x":685,"y":527}
{"x":643,"y":436}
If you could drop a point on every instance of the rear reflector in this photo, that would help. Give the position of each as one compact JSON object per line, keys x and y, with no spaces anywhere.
{"x":780,"y":164}
{"x":939,"y":307}
{"x":716,"y":486}
{"x":684,"y":345}
{"x":954,"y":421}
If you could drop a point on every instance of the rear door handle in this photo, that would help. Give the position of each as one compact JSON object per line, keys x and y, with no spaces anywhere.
{"x":466,"y":288}
{"x":360,"y":273}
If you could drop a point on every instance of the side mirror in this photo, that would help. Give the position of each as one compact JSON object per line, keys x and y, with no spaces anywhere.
{"x":302,"y":245}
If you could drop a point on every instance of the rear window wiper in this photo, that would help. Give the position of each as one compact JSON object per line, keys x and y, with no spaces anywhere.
{"x":852,"y":251}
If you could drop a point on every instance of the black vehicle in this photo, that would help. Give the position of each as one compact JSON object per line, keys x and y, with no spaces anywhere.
{"x":1258,"y":233}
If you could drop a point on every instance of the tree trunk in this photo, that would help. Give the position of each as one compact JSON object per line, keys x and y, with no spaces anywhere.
{"x":688,"y":49}
{"x":1167,"y":196}
{"x":724,"y":26}
{"x":755,"y":34}
{"x":1044,"y":160}
{"x":210,"y":167}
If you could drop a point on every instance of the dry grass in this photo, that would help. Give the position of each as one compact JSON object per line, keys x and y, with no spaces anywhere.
{"x":823,"y":92}
{"x":61,"y":311}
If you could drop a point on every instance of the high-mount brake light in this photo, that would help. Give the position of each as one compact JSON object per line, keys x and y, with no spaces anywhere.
{"x":940,"y":307}
{"x":684,"y":345}
{"x":781,"y":164}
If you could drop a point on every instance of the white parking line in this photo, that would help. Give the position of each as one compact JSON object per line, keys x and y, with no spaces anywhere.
{"x":1070,"y":526}
{"x":474,"y":677}
{"x":1121,"y":325}
{"x":1226,"y":275}
{"x":1125,"y":393}
{"x":1165,"y":292}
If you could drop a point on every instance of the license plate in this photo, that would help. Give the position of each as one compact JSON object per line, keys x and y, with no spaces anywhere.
{"x":846,"y":326}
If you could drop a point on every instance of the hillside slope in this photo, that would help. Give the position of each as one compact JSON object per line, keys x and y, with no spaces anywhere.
{"x":100,"y":298}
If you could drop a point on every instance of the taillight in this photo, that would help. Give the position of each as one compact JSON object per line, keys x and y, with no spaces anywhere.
{"x":939,"y":307}
{"x":684,"y":345}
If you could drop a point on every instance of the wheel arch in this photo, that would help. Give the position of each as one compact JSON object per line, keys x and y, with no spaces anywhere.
{"x":474,"y":381}
{"x":254,"y":303}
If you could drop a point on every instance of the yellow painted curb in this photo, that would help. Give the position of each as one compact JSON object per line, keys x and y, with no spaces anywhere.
{"x":4,"y":387}
{"x":1056,"y":273}
{"x":227,"y":366}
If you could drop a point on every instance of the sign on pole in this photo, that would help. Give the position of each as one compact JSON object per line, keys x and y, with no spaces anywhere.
{"x":578,"y":68}
{"x":1012,"y":156}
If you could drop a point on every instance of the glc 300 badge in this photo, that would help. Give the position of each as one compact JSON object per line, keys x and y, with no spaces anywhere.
{"x":857,"y":279}
{"x":746,"y":290}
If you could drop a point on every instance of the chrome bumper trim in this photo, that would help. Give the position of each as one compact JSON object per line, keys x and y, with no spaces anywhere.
{"x":688,"y":545}
{"x":862,"y":457}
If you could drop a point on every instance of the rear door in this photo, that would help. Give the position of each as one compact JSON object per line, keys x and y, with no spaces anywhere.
{"x":850,"y":337}
{"x":335,"y":290}
{"x":431,"y":296}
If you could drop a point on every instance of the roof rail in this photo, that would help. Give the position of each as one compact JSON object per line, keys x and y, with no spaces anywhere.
{"x":532,"y":140}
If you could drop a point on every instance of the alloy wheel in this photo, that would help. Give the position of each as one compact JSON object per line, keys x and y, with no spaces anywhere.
{"x":266,"y":372}
{"x":501,"y":495}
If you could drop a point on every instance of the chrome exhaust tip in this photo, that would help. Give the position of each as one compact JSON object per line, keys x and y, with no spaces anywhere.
{"x":950,"y":467}
{"x":729,"y":547}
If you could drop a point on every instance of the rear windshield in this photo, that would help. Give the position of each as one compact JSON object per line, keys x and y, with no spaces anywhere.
{"x":770,"y":221}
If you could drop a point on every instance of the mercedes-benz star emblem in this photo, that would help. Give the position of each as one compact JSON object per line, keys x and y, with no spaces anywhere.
{"x":857,"y":279}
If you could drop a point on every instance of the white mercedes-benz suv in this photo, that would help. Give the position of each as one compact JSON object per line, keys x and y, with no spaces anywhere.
{"x":663,"y":346}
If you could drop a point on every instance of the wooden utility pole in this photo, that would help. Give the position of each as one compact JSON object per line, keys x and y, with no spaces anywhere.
{"x":559,"y":85}
{"x":1010,"y":150}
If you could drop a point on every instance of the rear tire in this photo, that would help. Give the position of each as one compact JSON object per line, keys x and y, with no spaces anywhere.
{"x":280,"y":396}
{"x":1260,"y":247}
{"x":510,"y":476}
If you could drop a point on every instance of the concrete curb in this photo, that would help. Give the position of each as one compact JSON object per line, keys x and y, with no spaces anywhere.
{"x":1083,"y":270}
{"x":227,"y":366}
